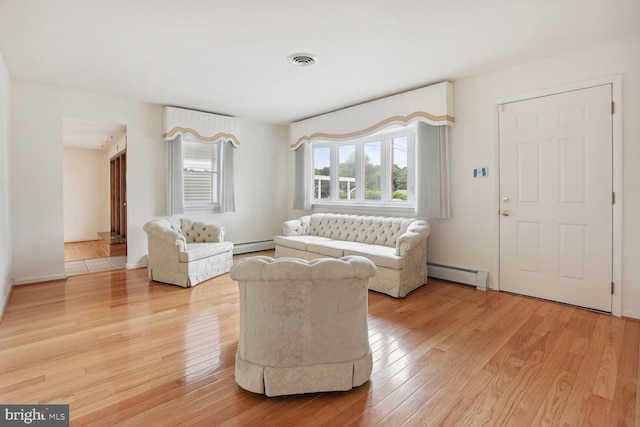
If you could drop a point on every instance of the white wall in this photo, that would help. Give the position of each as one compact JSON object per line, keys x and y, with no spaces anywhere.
{"x":260,"y":185}
{"x":85,"y":188}
{"x":469,"y":238}
{"x":6,"y":273}
{"x":260,"y":170}
{"x":37,"y":212}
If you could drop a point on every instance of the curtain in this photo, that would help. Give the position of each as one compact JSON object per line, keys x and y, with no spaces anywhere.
{"x":302,"y":187}
{"x":174,"y":197}
{"x":432,"y":184}
{"x":227,"y":195}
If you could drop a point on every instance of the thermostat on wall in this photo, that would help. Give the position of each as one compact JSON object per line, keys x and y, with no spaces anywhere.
{"x":481,"y":172}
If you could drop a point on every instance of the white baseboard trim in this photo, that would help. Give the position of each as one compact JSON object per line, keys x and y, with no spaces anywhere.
{"x":140,"y":264}
{"x":243,"y":248}
{"x":5,"y":301}
{"x":39,"y":279}
{"x":631,"y":314}
{"x":467,"y":276}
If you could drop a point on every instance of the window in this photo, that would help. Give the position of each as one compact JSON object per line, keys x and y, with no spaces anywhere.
{"x":374,"y":170}
{"x":322,"y":172}
{"x":201,"y":173}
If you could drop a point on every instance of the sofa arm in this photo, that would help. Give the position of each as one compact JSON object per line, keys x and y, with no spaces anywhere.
{"x":296,"y":227}
{"x":416,"y":233}
{"x":166,"y":235}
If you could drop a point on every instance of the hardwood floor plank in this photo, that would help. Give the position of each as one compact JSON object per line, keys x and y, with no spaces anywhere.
{"x":410,"y":406}
{"x":506,"y":370}
{"x":598,"y":410}
{"x":552,"y":353}
{"x":121,"y":350}
{"x":605,"y":379}
{"x":624,"y":409}
{"x":482,"y":347}
{"x":575,"y":409}
{"x":551,"y":408}
{"x":78,"y":251}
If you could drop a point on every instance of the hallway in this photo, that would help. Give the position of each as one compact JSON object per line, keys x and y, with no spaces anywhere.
{"x":89,"y":257}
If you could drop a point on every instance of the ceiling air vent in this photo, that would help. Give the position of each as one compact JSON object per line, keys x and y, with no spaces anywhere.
{"x":302,"y":59}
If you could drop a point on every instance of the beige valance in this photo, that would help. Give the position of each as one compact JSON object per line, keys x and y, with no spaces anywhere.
{"x":203,"y":126}
{"x":432,"y":105}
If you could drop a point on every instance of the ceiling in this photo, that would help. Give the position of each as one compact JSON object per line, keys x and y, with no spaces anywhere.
{"x":230,"y":57}
{"x":91,"y":135}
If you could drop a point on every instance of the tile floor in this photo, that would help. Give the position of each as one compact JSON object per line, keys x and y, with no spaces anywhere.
{"x":74,"y":268}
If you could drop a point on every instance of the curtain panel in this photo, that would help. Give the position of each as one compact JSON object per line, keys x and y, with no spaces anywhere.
{"x":302,"y":193}
{"x":432,"y":174}
{"x":227,"y":188}
{"x":174,"y":190}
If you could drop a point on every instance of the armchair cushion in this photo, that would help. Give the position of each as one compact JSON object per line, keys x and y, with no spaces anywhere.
{"x":196,"y":251}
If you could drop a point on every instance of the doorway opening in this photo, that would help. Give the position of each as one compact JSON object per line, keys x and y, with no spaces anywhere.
{"x":94,"y":192}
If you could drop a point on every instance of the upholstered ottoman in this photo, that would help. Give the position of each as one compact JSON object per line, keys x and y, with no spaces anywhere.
{"x":303,"y":324}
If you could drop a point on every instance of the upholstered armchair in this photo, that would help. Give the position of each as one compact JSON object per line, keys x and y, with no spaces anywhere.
{"x":303,"y":324}
{"x":184,"y":252}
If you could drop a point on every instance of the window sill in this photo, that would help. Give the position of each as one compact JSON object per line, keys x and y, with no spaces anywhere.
{"x":360,"y":209}
{"x":208,"y":208}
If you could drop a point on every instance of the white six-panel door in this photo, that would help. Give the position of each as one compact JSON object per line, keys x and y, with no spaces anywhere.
{"x":556,"y":197}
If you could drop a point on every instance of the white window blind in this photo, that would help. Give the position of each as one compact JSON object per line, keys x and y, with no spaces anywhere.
{"x":201,"y":172}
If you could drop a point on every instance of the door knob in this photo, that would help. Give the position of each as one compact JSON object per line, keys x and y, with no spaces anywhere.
{"x":505,"y":213}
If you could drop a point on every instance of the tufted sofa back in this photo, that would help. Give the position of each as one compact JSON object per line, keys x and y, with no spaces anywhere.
{"x":193,"y":231}
{"x":355,"y":228}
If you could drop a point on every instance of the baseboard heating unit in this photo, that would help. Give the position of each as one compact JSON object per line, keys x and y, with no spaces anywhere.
{"x":466,"y":276}
{"x":243,"y":248}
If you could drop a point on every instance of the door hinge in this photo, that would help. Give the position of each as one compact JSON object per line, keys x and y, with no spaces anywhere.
{"x":612,"y":287}
{"x":613,"y":198}
{"x":613,"y":110}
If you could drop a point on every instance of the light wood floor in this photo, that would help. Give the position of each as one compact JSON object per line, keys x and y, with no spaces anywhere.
{"x":78,"y":251}
{"x":123,"y":351}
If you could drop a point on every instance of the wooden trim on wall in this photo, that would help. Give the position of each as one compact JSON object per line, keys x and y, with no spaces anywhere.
{"x":118,"y":196}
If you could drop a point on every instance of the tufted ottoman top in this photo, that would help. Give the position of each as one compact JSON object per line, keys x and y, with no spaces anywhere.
{"x":267,"y":268}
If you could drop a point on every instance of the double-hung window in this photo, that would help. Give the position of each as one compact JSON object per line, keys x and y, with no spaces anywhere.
{"x":201,"y":172}
{"x":373,"y":170}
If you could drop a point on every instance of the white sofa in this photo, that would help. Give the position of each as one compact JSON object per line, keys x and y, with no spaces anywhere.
{"x":303,"y":324}
{"x":184,"y":252}
{"x":397,"y":246}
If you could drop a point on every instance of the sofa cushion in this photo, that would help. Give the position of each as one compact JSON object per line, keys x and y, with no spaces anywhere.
{"x":196,"y":251}
{"x":333,"y":248}
{"x":382,"y":256}
{"x":298,"y":242}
